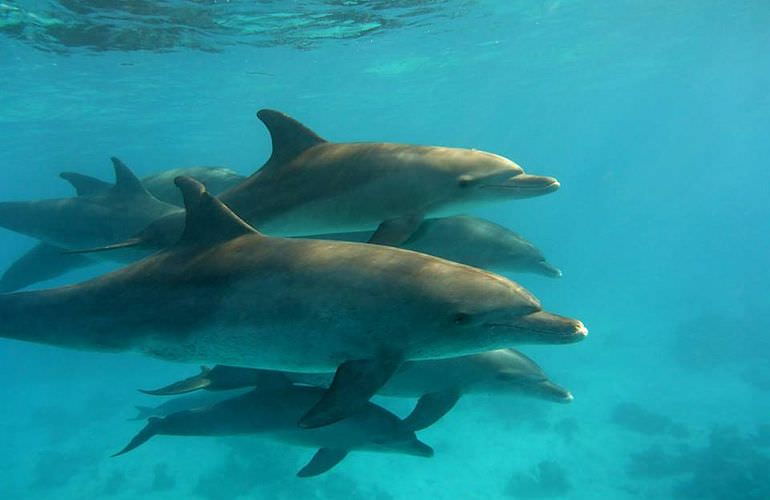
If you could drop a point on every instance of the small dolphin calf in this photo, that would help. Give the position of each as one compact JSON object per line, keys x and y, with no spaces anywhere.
{"x":312,"y":186}
{"x":439,"y":383}
{"x":472,"y":241}
{"x":274,"y":414}
{"x":227,"y":294}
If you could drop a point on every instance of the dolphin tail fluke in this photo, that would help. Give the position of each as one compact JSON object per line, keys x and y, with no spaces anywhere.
{"x":323,"y":461}
{"x":149,"y":431}
{"x":145,"y":412}
{"x":190,"y":384}
{"x":431,"y":408}
{"x":42,"y":262}
{"x":132,"y":242}
{"x":354,"y":383}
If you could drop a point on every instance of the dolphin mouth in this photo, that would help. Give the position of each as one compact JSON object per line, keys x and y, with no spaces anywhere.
{"x":544,"y":328}
{"x":549,"y":270}
{"x":526,"y":185}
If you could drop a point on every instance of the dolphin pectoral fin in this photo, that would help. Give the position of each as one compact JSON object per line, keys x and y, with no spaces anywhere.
{"x":395,"y":232}
{"x":42,"y":262}
{"x":430,"y":408}
{"x":85,"y":185}
{"x":149,"y":431}
{"x":131,"y":242}
{"x":323,"y":461}
{"x":354,"y":383}
{"x":190,"y":384}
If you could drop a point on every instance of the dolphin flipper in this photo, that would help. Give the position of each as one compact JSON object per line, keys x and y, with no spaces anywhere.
{"x":430,"y":408}
{"x":323,"y":460}
{"x":395,"y":232}
{"x":149,"y":431}
{"x":190,"y":384}
{"x":353,"y":384}
{"x":42,"y":262}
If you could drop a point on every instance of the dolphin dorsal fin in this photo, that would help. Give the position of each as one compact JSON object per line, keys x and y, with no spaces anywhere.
{"x":290,"y":138}
{"x":126,"y":182}
{"x":207,"y":220}
{"x":85,"y":184}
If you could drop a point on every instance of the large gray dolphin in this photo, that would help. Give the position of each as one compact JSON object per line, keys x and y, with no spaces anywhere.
{"x":274,"y":413}
{"x":102,"y":214}
{"x":439,"y":383}
{"x":472,"y":241}
{"x":312,"y":186}
{"x":161,"y":184}
{"x":228,"y":294}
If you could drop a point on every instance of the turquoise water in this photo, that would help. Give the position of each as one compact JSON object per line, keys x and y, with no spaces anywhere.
{"x":653,"y":115}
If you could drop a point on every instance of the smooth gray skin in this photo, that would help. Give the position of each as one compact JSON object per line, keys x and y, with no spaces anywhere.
{"x":312,"y":186}
{"x":472,"y":241}
{"x":96,"y":219}
{"x":274,"y":413}
{"x":227,"y":294}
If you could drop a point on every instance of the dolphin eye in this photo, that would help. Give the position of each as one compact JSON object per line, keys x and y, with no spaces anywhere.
{"x":461,"y":319}
{"x":464,"y":181}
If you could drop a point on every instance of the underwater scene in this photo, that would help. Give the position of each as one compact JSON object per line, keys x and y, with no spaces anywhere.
{"x":384,"y":249}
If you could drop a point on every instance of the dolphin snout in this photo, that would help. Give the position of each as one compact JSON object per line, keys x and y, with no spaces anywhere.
{"x":549,"y":270}
{"x":526,"y":185}
{"x":419,"y":449}
{"x":543,"y":328}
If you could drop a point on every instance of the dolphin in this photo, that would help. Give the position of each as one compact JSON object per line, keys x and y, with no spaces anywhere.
{"x":313,"y":186}
{"x":273,"y":414}
{"x":472,"y":241}
{"x":438,"y":383}
{"x":161,"y":184}
{"x":102,"y":214}
{"x":188,"y":402}
{"x":227,"y":294}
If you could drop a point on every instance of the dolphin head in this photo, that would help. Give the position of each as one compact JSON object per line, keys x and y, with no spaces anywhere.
{"x":508,"y":371}
{"x":475,"y":177}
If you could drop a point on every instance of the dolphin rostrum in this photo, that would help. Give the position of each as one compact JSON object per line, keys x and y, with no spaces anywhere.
{"x":439,"y":383}
{"x":228,"y":294}
{"x":312,"y":186}
{"x":273,"y":414}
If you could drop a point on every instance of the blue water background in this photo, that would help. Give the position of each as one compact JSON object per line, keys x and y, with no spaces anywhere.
{"x":654,"y":115}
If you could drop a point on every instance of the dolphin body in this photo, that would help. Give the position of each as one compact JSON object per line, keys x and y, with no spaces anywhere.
{"x":312,"y":186}
{"x":472,"y":241}
{"x":438,"y":383}
{"x":274,"y":413}
{"x":228,"y":294}
{"x":103,"y":213}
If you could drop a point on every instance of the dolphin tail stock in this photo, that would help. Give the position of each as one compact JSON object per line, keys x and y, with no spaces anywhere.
{"x":145,"y":434}
{"x":353,"y":384}
{"x":431,"y":408}
{"x":190,"y":384}
{"x":323,"y":461}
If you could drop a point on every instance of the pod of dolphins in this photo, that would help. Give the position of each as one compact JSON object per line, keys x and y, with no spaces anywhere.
{"x":335,"y":272}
